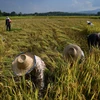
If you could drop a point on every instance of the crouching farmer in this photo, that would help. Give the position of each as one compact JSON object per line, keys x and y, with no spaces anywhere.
{"x":30,"y":65}
{"x":73,"y":53}
{"x":93,"y":40}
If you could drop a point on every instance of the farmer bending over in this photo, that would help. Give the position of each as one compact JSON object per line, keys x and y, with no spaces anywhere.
{"x":72,"y":53}
{"x":30,"y":65}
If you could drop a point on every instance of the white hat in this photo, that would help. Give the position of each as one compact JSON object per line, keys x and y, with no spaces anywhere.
{"x":73,"y":52}
{"x":23,"y":63}
{"x":89,"y":23}
{"x":7,"y":17}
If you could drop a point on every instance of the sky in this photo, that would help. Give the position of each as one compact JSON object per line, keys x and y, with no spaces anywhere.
{"x":40,"y":6}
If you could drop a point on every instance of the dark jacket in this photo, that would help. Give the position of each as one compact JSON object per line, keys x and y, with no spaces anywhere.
{"x":93,"y":40}
{"x":7,"y":22}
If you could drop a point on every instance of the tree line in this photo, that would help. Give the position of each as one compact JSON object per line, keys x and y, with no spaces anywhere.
{"x":13,"y":13}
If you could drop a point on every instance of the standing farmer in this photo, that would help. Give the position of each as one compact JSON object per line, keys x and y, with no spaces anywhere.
{"x":8,"y":23}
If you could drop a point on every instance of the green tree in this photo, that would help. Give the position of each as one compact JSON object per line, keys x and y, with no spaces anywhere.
{"x":20,"y":14}
{"x":0,"y":13}
{"x":13,"y":13}
{"x":98,"y":13}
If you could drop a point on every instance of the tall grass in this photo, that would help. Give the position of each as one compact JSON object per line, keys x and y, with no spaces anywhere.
{"x":47,"y":37}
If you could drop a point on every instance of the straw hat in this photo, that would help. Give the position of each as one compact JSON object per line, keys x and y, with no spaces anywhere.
{"x":73,"y":52}
{"x":23,"y":63}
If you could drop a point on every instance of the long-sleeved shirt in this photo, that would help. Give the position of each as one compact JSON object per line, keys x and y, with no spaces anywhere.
{"x":37,"y":74}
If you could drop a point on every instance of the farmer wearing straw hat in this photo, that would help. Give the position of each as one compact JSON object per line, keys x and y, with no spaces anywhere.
{"x":90,"y":23}
{"x":8,"y":23}
{"x":30,"y":65}
{"x":72,"y":53}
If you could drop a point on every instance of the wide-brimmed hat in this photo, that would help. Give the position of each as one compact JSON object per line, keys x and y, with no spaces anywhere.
{"x":72,"y":52}
{"x":23,"y":63}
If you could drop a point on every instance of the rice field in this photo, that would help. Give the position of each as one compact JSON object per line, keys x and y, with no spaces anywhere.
{"x":46,"y":37}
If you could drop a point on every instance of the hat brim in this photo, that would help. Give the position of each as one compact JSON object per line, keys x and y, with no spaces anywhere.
{"x":21,"y":72}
